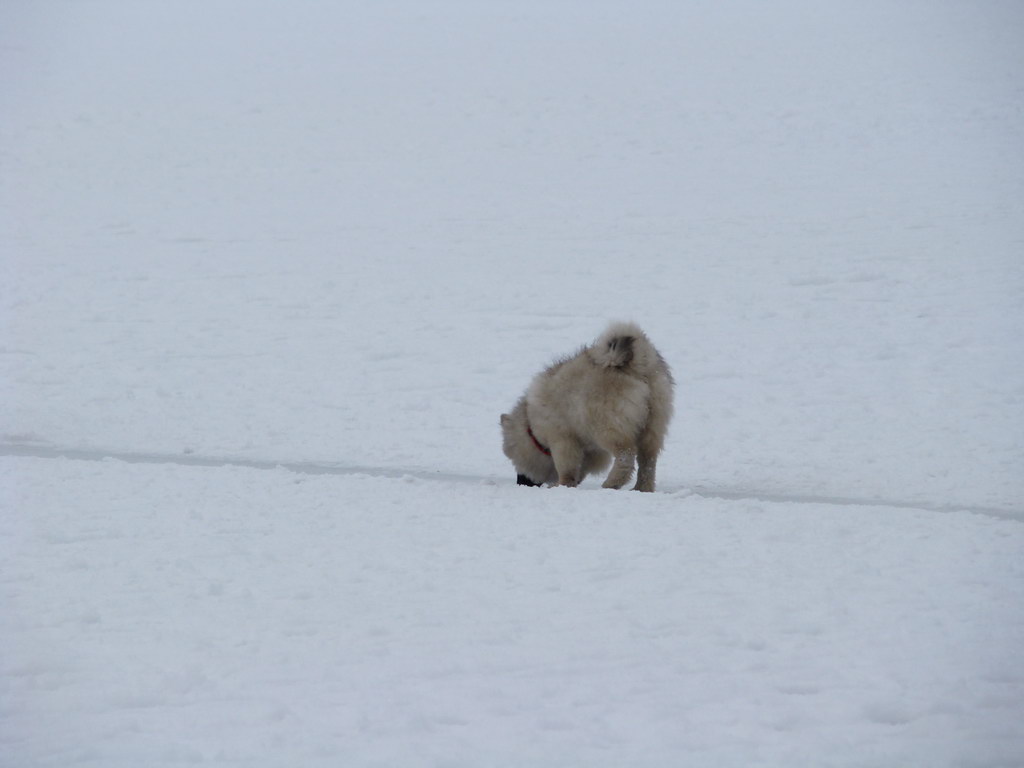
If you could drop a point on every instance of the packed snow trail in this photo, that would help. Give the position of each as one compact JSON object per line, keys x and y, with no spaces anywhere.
{"x":327,"y":468}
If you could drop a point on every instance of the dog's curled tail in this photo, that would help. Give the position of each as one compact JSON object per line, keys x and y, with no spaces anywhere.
{"x":616,"y":347}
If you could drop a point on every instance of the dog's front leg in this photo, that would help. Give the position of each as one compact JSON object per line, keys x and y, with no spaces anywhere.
{"x":568,"y":457}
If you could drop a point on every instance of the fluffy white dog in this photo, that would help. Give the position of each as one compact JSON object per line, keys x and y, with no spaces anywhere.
{"x":611,"y":400}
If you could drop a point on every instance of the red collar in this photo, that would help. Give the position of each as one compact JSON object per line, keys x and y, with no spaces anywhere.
{"x":536,"y":442}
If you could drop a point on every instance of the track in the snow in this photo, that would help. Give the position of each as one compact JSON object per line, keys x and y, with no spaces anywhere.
{"x":323,"y":468}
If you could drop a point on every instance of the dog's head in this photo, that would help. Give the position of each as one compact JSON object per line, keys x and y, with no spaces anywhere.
{"x":533,"y":466}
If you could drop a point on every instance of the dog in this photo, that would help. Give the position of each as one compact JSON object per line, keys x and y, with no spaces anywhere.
{"x":611,"y":402}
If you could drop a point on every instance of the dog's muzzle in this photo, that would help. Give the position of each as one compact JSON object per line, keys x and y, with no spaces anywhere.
{"x":524,"y":480}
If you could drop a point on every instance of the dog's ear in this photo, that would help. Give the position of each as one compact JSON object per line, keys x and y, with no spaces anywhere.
{"x":524,"y":480}
{"x":505,"y":418}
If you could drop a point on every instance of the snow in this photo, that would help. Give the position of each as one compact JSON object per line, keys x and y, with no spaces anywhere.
{"x":243,"y":616}
{"x":270,"y":275}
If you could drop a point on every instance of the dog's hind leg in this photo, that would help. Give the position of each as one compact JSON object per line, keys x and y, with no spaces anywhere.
{"x":652,"y":436}
{"x":622,"y":469}
{"x":647,"y":461}
{"x":648,"y":448}
{"x":568,"y":456}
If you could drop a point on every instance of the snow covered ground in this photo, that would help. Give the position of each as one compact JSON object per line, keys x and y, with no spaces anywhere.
{"x":284,"y":266}
{"x":167,"y":615}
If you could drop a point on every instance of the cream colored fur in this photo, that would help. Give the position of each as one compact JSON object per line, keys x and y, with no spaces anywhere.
{"x":609,"y":401}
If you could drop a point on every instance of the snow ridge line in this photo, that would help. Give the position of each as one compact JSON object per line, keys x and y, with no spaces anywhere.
{"x":324,"y":468}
